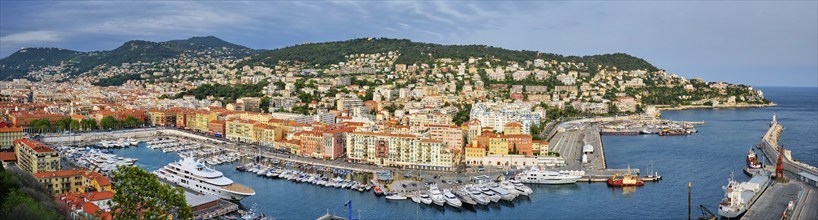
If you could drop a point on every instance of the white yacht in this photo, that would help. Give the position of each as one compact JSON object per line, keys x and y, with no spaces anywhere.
{"x":195,"y":176}
{"x":425,"y":199}
{"x":436,"y":195}
{"x":547,"y":177}
{"x":451,"y":199}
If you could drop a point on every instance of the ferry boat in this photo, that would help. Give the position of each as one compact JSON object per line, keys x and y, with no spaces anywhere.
{"x":196,"y":176}
{"x":537,"y":176}
{"x":738,"y":197}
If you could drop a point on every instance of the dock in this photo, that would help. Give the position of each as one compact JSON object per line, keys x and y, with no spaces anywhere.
{"x":788,"y":198}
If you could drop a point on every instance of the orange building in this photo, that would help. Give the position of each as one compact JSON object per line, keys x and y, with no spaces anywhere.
{"x":216,"y":127}
{"x":522,"y":143}
{"x":23,"y":119}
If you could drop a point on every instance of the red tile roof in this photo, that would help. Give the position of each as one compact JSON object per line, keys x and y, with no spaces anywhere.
{"x":34,"y":145}
{"x":96,"y":196}
{"x":10,"y":129}
{"x":7,"y":156}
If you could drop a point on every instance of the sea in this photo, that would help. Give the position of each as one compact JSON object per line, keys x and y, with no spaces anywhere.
{"x":706,"y":160}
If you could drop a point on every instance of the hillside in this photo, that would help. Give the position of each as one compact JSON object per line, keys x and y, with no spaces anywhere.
{"x":416,"y":52}
{"x":16,"y":65}
{"x":28,"y":59}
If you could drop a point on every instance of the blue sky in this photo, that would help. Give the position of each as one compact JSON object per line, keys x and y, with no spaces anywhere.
{"x":755,"y":43}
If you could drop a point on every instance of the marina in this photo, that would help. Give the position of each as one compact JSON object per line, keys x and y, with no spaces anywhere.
{"x":679,"y":159}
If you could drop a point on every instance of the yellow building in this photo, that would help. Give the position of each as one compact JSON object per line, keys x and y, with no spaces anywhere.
{"x":74,"y":181}
{"x":498,"y":146}
{"x":34,"y":157}
{"x":266,"y":134}
{"x":8,"y":135}
{"x":513,"y":128}
{"x":239,"y":130}
{"x":476,"y":150}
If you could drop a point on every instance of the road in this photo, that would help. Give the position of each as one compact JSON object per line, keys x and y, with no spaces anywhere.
{"x":774,"y":201}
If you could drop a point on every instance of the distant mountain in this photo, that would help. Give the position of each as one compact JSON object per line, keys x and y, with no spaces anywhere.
{"x":27,"y":59}
{"x":201,"y":43}
{"x":16,"y":65}
{"x":416,"y":52}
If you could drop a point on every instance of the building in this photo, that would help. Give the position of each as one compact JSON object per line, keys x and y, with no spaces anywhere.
{"x":250,"y":104}
{"x":513,"y":128}
{"x":216,"y":128}
{"x":89,"y":205}
{"x":34,"y":157}
{"x":451,"y":135}
{"x":73,"y":181}
{"x":349,"y":102}
{"x":8,"y":135}
{"x":498,"y":114}
{"x":498,"y":145}
{"x":239,"y":130}
{"x":23,"y":119}
{"x":519,"y":144}
{"x":400,"y":150}
{"x":475,"y":150}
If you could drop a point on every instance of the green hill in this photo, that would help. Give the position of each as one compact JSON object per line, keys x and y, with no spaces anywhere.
{"x":18,"y":64}
{"x":415,"y":52}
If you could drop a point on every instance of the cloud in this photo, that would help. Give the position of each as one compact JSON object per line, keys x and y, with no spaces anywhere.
{"x":30,"y":37}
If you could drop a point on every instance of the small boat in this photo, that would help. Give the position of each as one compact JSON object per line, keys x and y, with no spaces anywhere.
{"x":395,"y":196}
{"x":425,"y":199}
{"x":415,"y":198}
{"x":378,"y":191}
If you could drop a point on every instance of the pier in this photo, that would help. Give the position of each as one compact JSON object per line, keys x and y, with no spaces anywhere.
{"x":571,"y":143}
{"x":789,"y":198}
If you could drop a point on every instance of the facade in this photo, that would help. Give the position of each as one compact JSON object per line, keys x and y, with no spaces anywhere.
{"x":34,"y":157}
{"x":519,"y":144}
{"x":23,"y":119}
{"x":497,"y":115}
{"x":475,"y":150}
{"x":239,"y":130}
{"x":8,"y":135}
{"x":399,"y":150}
{"x":451,"y":135}
{"x":73,"y":181}
{"x":162,"y":118}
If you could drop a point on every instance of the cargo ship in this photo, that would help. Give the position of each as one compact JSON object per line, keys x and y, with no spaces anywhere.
{"x":738,"y":197}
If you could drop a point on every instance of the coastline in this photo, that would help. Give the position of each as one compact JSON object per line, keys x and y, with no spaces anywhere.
{"x":741,"y":105}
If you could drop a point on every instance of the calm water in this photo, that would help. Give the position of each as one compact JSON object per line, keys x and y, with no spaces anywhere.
{"x":706,"y":159}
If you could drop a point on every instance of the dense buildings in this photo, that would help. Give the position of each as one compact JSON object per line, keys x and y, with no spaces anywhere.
{"x":497,"y":115}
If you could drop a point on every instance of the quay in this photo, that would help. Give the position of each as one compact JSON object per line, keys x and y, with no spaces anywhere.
{"x":794,"y":197}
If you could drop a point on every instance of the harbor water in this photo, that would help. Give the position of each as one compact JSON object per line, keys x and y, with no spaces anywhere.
{"x":706,"y":159}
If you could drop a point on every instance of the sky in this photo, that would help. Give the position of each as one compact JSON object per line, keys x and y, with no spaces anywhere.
{"x":755,"y":43}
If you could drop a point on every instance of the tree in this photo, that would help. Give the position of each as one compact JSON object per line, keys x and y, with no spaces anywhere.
{"x":265,"y":103}
{"x":130,"y":122}
{"x":107,"y":122}
{"x":75,"y":125}
{"x":141,"y":195}
{"x":63,"y":124}
{"x":88,"y":124}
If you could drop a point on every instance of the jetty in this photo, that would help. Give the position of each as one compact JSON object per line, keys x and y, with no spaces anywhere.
{"x":793,"y":196}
